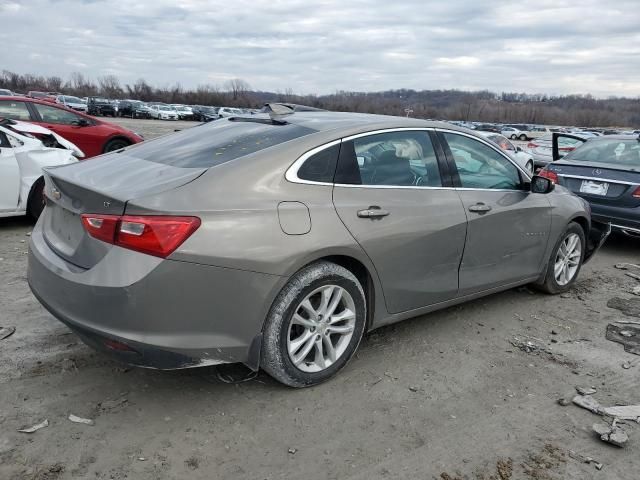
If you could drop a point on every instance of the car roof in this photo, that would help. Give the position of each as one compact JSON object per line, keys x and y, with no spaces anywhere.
{"x":352,"y":123}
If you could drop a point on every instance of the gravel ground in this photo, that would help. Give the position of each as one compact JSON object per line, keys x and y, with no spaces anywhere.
{"x":445,"y":396}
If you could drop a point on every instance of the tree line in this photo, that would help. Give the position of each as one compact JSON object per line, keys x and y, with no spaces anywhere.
{"x":480,"y":106}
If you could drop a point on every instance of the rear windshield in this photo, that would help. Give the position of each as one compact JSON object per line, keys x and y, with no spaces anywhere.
{"x":215,"y":143}
{"x":617,"y":152}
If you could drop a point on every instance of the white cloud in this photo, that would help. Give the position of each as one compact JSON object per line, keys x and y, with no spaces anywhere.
{"x":553,"y":46}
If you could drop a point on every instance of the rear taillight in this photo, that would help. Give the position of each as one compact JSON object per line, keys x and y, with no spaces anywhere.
{"x":532,"y":145}
{"x":151,"y":234}
{"x":636,"y":193}
{"x":553,"y":176}
{"x":566,"y":149}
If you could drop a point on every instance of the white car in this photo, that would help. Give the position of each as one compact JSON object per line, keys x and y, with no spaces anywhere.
{"x":74,"y":103}
{"x":25,"y":149}
{"x":184,"y":111}
{"x":229,"y":112}
{"x":512,"y":133}
{"x":163,"y":112}
{"x":523,"y":158}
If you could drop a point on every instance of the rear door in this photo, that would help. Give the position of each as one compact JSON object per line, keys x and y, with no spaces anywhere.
{"x":396,"y":199}
{"x":9,"y":176}
{"x":508,"y":226}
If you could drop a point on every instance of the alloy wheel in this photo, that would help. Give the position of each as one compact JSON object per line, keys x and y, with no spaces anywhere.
{"x":321,"y":328}
{"x":567,"y":259}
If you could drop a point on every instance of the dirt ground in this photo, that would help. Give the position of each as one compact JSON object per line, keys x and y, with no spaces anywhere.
{"x":445,"y":396}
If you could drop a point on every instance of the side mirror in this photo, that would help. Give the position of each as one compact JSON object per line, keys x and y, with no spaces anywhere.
{"x":82,"y":123}
{"x":518,"y":149}
{"x":541,"y":185}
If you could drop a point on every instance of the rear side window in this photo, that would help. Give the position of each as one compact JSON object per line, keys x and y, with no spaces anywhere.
{"x":14,"y":110}
{"x":321,"y":166}
{"x":215,"y":143}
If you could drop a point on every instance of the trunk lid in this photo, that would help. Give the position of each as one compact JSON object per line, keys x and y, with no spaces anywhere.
{"x":101,"y":185}
{"x":600,"y":182}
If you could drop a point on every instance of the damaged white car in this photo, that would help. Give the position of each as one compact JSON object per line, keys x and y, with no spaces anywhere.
{"x":25,"y":149}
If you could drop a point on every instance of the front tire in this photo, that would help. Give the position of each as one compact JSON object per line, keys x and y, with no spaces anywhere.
{"x":514,"y":136}
{"x":566,"y":261}
{"x":115,"y":144}
{"x":523,"y":137}
{"x":530,"y":166}
{"x":314,"y":326}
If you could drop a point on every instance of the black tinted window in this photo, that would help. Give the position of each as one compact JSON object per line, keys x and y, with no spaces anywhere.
{"x":215,"y":143}
{"x":321,"y":166}
{"x":405,"y":158}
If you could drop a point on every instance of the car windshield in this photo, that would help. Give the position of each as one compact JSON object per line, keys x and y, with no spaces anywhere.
{"x":166,"y":109}
{"x":616,"y":152}
{"x":72,"y":100}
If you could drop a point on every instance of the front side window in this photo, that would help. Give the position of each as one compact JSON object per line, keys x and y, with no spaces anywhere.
{"x":14,"y":110}
{"x":402,"y":159}
{"x":480,"y":166}
{"x":56,"y":115}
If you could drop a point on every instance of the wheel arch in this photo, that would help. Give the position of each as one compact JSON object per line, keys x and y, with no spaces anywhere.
{"x":583,"y":222}
{"x":115,"y":137}
{"x":358,"y":268}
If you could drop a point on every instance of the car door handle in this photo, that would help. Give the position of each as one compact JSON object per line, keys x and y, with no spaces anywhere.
{"x":372,"y":212}
{"x":480,"y":208}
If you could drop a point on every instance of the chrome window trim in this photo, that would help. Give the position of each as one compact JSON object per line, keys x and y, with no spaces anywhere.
{"x":291,"y":174}
{"x":580,"y":177}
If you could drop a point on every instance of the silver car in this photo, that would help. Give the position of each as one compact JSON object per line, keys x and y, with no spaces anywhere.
{"x":278,"y":240}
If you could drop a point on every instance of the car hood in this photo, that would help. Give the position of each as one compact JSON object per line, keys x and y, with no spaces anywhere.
{"x":37,"y":129}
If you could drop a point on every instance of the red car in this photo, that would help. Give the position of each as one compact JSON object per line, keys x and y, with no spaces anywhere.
{"x":91,"y":135}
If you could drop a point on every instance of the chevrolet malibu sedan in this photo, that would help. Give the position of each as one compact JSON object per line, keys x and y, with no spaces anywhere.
{"x":279,"y":240}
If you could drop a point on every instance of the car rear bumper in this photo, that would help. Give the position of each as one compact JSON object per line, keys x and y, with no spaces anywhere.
{"x":155,"y":313}
{"x":622,"y":219}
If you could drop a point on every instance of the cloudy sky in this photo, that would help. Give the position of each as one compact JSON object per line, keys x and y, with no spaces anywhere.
{"x":550,"y":46}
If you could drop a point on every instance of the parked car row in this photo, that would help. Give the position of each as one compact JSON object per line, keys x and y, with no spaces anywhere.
{"x":526,"y":132}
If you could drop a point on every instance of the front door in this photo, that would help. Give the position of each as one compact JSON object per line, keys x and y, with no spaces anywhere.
{"x":393,"y":196}
{"x":508,"y":227}
{"x":68,"y":125}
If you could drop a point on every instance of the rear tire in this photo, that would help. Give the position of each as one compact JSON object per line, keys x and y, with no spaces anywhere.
{"x":523,"y":137}
{"x":565,"y":261}
{"x":305,"y":340}
{"x":36,"y":201}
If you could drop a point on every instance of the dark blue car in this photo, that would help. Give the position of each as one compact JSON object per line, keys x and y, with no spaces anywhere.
{"x":605,"y":171}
